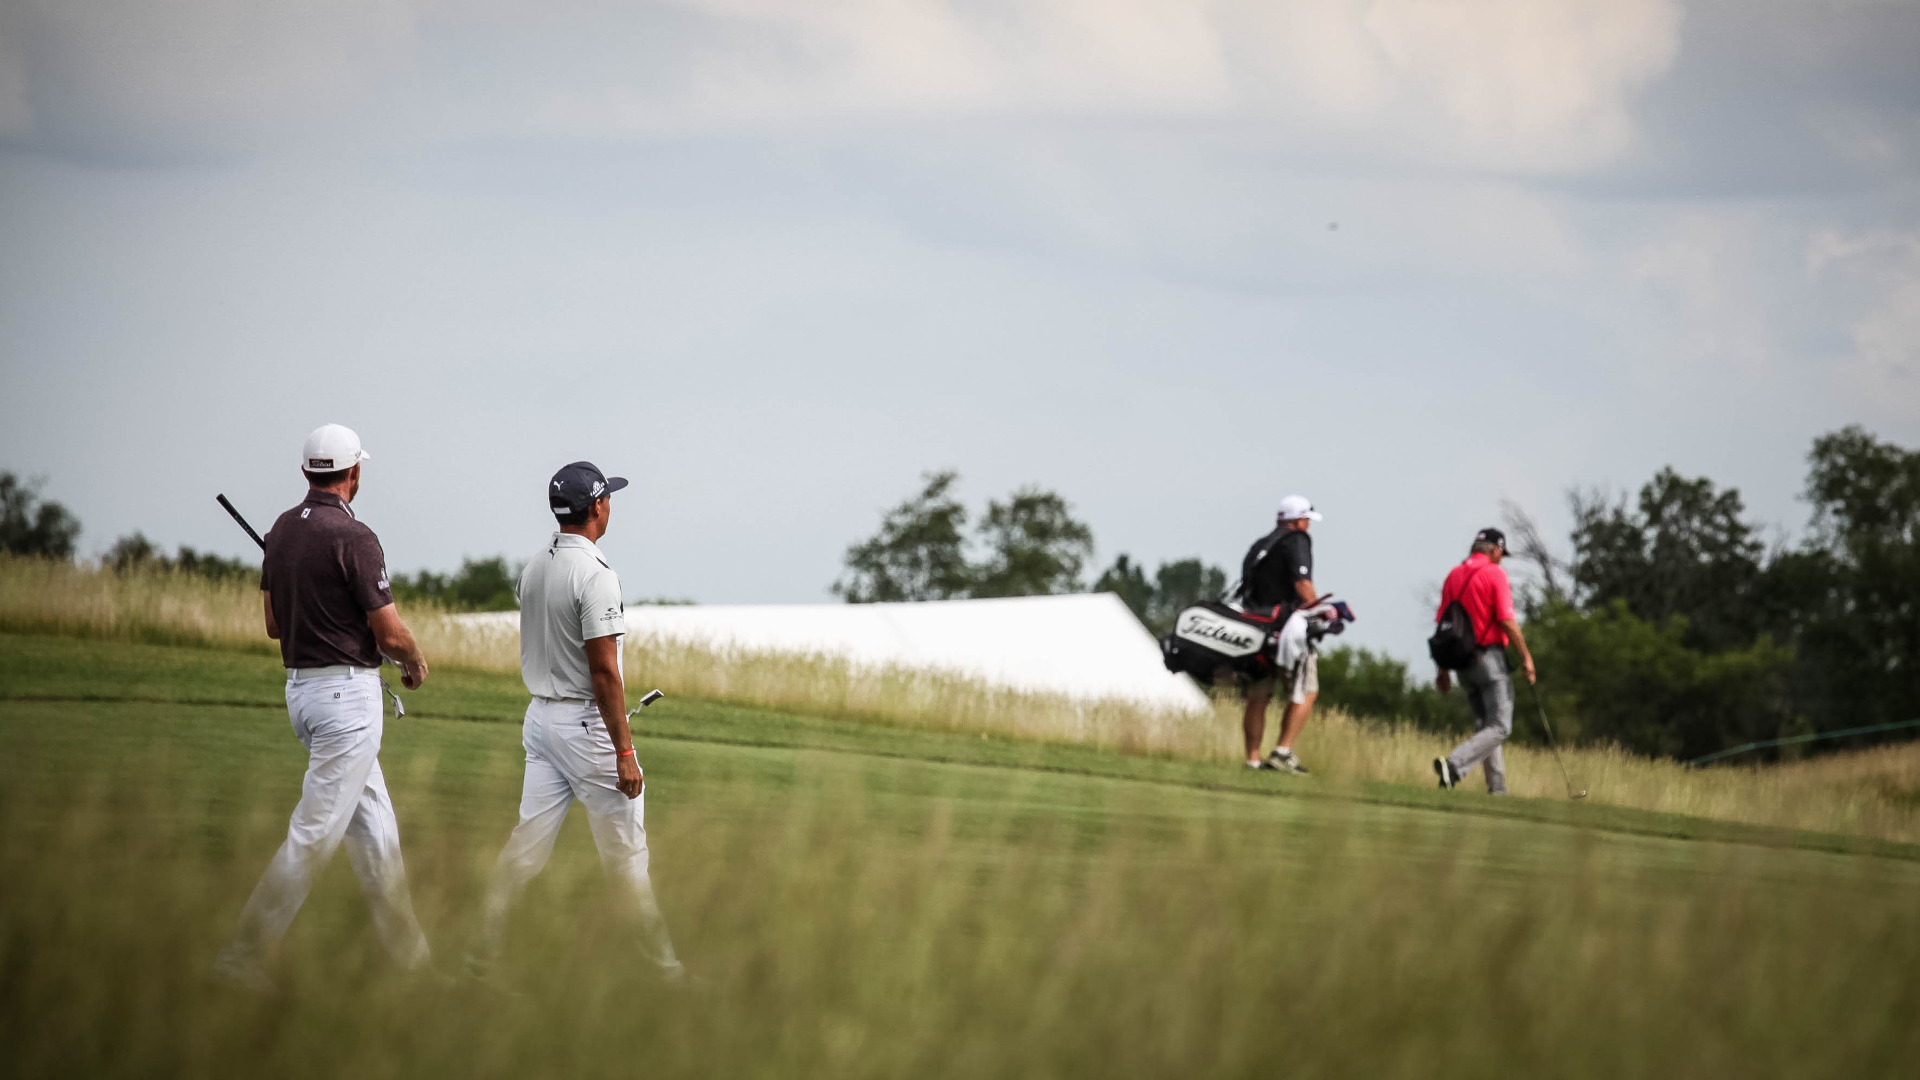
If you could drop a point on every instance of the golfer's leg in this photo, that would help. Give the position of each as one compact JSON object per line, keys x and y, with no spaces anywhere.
{"x":1498,"y":696}
{"x":343,"y":744}
{"x":373,"y":846}
{"x":1496,"y":769}
{"x":1476,"y":746}
{"x":544,"y":799}
{"x":1254,"y":724}
{"x":1304,"y":691}
{"x":620,"y":832}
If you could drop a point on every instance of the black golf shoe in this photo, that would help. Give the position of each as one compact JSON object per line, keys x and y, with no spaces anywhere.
{"x":1285,"y":761}
{"x":1449,"y":776}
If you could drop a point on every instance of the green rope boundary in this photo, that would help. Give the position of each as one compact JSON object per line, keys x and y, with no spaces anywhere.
{"x":1868,"y":730}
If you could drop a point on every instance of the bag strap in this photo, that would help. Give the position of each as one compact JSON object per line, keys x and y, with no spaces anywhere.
{"x":1459,"y":596}
{"x":1239,"y":589}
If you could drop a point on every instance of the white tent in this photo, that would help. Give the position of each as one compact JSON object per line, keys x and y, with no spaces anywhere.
{"x":1087,"y":646}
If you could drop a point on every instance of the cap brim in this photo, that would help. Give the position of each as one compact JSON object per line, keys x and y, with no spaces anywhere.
{"x":1313,"y":515}
{"x":615,"y":483}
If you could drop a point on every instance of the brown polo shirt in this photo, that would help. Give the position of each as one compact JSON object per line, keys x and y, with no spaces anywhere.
{"x":324,"y":571}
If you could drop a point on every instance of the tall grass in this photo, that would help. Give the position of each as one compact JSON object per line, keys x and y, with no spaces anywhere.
{"x":884,"y":919}
{"x":1874,"y":794}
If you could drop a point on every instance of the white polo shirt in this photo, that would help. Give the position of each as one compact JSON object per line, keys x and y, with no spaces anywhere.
{"x":567,"y":595}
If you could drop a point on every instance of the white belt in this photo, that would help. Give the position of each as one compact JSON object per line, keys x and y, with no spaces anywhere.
{"x":333,"y":669}
{"x":564,"y":700}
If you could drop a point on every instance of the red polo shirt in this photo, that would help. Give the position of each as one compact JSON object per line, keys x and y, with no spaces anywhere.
{"x":1483,"y":589}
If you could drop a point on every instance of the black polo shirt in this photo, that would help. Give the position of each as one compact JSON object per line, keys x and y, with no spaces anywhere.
{"x":323,"y":572}
{"x":1270,"y":579}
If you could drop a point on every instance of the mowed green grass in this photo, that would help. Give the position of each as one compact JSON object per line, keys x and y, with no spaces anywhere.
{"x":863,"y":901}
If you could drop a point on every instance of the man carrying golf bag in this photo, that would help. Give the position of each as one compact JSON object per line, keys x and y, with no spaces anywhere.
{"x":1473,"y":626}
{"x":1277,"y":577}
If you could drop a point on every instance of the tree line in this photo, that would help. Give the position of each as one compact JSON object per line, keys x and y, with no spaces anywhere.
{"x":32,"y":526}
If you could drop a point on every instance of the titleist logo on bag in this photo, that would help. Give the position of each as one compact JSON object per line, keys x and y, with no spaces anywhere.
{"x":1220,"y":634}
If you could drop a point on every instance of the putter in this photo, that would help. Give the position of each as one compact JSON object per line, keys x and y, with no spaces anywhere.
{"x":650,"y":697}
{"x":399,"y":710}
{"x":1554,"y":744}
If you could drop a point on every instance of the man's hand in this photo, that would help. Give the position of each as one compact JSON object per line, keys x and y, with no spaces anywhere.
{"x":413,"y":673}
{"x":632,"y":781}
{"x":1526,"y":664}
{"x":1443,"y":682}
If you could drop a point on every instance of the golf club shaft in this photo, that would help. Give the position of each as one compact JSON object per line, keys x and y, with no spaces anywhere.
{"x":1553,"y":744}
{"x":228,"y":507}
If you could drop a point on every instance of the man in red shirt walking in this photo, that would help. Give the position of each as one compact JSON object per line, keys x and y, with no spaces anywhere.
{"x":1482,"y":588}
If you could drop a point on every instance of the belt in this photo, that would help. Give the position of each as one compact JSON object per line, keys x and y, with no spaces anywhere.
{"x":332,"y":669}
{"x":564,"y":700}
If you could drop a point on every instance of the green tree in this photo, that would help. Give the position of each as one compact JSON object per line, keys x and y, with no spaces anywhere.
{"x":1175,"y":585}
{"x":134,"y":552}
{"x":479,"y":585}
{"x":29,"y":526}
{"x":1375,"y":686}
{"x":1682,"y":550}
{"x":1853,"y":591}
{"x":918,"y":554}
{"x":1641,"y":684}
{"x":1034,"y":546}
{"x":1129,"y":582}
{"x":1181,"y":584}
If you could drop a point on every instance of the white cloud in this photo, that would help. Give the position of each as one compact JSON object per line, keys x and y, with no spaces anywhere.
{"x":1499,"y":83}
{"x":1881,"y":270}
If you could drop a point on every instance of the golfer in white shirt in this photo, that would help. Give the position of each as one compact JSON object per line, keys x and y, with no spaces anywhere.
{"x":576,"y":737}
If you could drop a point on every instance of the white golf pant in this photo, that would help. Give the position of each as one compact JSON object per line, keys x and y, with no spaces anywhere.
{"x":339,"y":719}
{"x":570,"y":756}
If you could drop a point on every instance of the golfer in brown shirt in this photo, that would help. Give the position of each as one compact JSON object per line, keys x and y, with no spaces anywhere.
{"x":327,"y":600}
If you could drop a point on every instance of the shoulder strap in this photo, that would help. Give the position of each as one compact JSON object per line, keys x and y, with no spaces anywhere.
{"x":1254,"y":558}
{"x":1460,"y":597}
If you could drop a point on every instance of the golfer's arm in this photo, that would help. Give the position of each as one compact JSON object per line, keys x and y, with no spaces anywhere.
{"x":273,"y":626}
{"x":1304,"y":587}
{"x":392,"y":635}
{"x":1512,"y":627}
{"x":603,"y":663}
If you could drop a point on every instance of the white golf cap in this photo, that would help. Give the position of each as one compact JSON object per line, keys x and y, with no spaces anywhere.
{"x":1295,"y":507}
{"x":332,"y":448}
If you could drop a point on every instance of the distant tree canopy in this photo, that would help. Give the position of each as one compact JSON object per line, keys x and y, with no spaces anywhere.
{"x":918,"y":554}
{"x":1032,"y":545}
{"x":29,"y":526}
{"x":479,"y":585}
{"x":134,"y":553}
{"x":1175,"y":585}
{"x":1680,"y":634}
{"x":1682,"y":550}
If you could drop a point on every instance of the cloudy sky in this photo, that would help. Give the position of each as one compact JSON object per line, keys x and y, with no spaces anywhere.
{"x":773,"y":259}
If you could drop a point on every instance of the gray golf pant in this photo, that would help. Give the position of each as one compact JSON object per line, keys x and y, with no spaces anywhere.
{"x":1490,"y":693}
{"x":570,"y":758}
{"x":338,"y":717}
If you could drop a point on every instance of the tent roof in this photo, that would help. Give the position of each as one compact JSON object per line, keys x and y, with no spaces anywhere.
{"x":1087,"y":646}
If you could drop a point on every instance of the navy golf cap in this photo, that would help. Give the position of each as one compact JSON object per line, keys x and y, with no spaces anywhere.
{"x":579,"y":485}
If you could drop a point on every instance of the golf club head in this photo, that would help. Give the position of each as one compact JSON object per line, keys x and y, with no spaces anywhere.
{"x":1578,"y":795}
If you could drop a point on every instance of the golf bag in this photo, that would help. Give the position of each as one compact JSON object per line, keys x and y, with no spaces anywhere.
{"x":1211,"y":639}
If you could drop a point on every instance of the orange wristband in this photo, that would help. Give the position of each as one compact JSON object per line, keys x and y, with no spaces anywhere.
{"x":628,"y":752}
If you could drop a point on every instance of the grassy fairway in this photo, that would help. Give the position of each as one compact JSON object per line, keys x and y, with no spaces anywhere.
{"x":865,"y":901}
